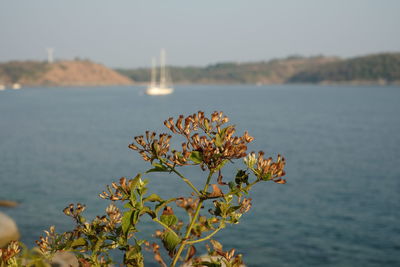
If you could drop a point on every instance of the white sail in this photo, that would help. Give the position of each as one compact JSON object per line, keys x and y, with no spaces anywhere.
{"x":163,"y":88}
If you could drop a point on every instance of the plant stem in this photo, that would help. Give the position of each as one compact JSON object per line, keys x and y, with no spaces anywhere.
{"x":189,"y":229}
{"x":205,"y":238}
{"x":164,"y":225}
{"x":186,"y":180}
{"x":192,"y":222}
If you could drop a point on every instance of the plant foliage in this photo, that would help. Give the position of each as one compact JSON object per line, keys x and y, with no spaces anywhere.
{"x":209,"y":144}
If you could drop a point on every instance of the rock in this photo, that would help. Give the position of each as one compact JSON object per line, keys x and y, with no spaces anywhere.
{"x":8,"y":230}
{"x":8,"y":203}
{"x":64,"y":259}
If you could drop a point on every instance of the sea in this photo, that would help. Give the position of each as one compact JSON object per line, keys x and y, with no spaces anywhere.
{"x":341,"y":203}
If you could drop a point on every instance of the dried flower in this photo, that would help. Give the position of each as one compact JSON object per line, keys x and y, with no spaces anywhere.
{"x":114,"y":216}
{"x":266,"y":169}
{"x":189,"y":204}
{"x":245,"y":205}
{"x":6,"y":254}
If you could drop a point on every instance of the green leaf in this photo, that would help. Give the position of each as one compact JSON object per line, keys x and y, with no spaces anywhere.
{"x":208,"y":264}
{"x":142,"y":191}
{"x":216,"y":245}
{"x":223,"y":131}
{"x":133,"y":197}
{"x":170,"y":240}
{"x":155,"y":148}
{"x":126,"y":221}
{"x":169,"y":219}
{"x":266,"y":177}
{"x":78,"y":242}
{"x":133,"y":256}
{"x":153,"y":198}
{"x":196,"y":157}
{"x":99,"y":244}
{"x":128,"y":205}
{"x":41,"y":263}
{"x":218,"y":140}
{"x":232,"y":186}
{"x":135,"y":182}
{"x":241,"y":177}
{"x":233,"y":209}
{"x":135,"y":217}
{"x":158,"y":168}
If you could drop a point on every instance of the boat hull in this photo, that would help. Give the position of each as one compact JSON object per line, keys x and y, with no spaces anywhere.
{"x":159,"y":91}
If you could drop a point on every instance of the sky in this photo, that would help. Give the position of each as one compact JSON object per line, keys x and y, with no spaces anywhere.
{"x":128,"y":33}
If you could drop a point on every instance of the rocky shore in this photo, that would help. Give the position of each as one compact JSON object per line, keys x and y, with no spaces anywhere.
{"x":8,"y":230}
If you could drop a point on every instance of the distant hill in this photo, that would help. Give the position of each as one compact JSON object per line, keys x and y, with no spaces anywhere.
{"x":60,"y":73}
{"x":379,"y":68}
{"x":271,"y":72}
{"x":371,"y":69}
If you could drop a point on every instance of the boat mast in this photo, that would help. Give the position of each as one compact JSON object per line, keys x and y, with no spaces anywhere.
{"x":162,"y":70}
{"x":153,"y":73}
{"x":50,"y":52}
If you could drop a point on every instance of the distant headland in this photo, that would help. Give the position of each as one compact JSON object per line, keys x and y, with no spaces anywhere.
{"x":383,"y":68}
{"x":60,"y":73}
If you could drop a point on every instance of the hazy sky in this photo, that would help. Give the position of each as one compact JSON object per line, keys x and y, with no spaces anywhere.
{"x":127,"y":33}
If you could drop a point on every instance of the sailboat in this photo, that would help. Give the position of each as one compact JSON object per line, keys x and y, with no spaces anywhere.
{"x":16,"y":86}
{"x":164,"y":87}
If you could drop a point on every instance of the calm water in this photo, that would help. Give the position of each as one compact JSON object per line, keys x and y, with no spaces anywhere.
{"x":341,"y":206}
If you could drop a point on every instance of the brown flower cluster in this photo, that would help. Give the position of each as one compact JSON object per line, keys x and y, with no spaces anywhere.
{"x":218,"y":255}
{"x":203,"y":225}
{"x":218,"y":144}
{"x":48,"y":243}
{"x":114,"y":216}
{"x":120,"y":191}
{"x":207,"y":142}
{"x":189,"y":204}
{"x":9,"y":252}
{"x":103,"y":223}
{"x":266,"y":169}
{"x":73,"y":211}
{"x":151,"y":148}
{"x":155,"y":248}
{"x":245,"y":205}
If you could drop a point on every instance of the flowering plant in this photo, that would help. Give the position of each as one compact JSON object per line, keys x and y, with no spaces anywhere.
{"x":208,"y":143}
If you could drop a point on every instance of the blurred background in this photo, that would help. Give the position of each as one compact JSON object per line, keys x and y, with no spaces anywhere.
{"x":317,"y":82}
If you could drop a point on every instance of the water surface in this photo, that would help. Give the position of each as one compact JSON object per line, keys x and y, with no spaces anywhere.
{"x":342,"y":145}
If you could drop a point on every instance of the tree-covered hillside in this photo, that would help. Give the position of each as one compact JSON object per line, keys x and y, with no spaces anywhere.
{"x":380,"y":67}
{"x":271,"y":72}
{"x":366,"y":69}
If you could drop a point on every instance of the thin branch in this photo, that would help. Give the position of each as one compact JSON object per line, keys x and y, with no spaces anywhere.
{"x":204,"y":238}
{"x":164,"y":225}
{"x":192,"y":222}
{"x":186,"y":180}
